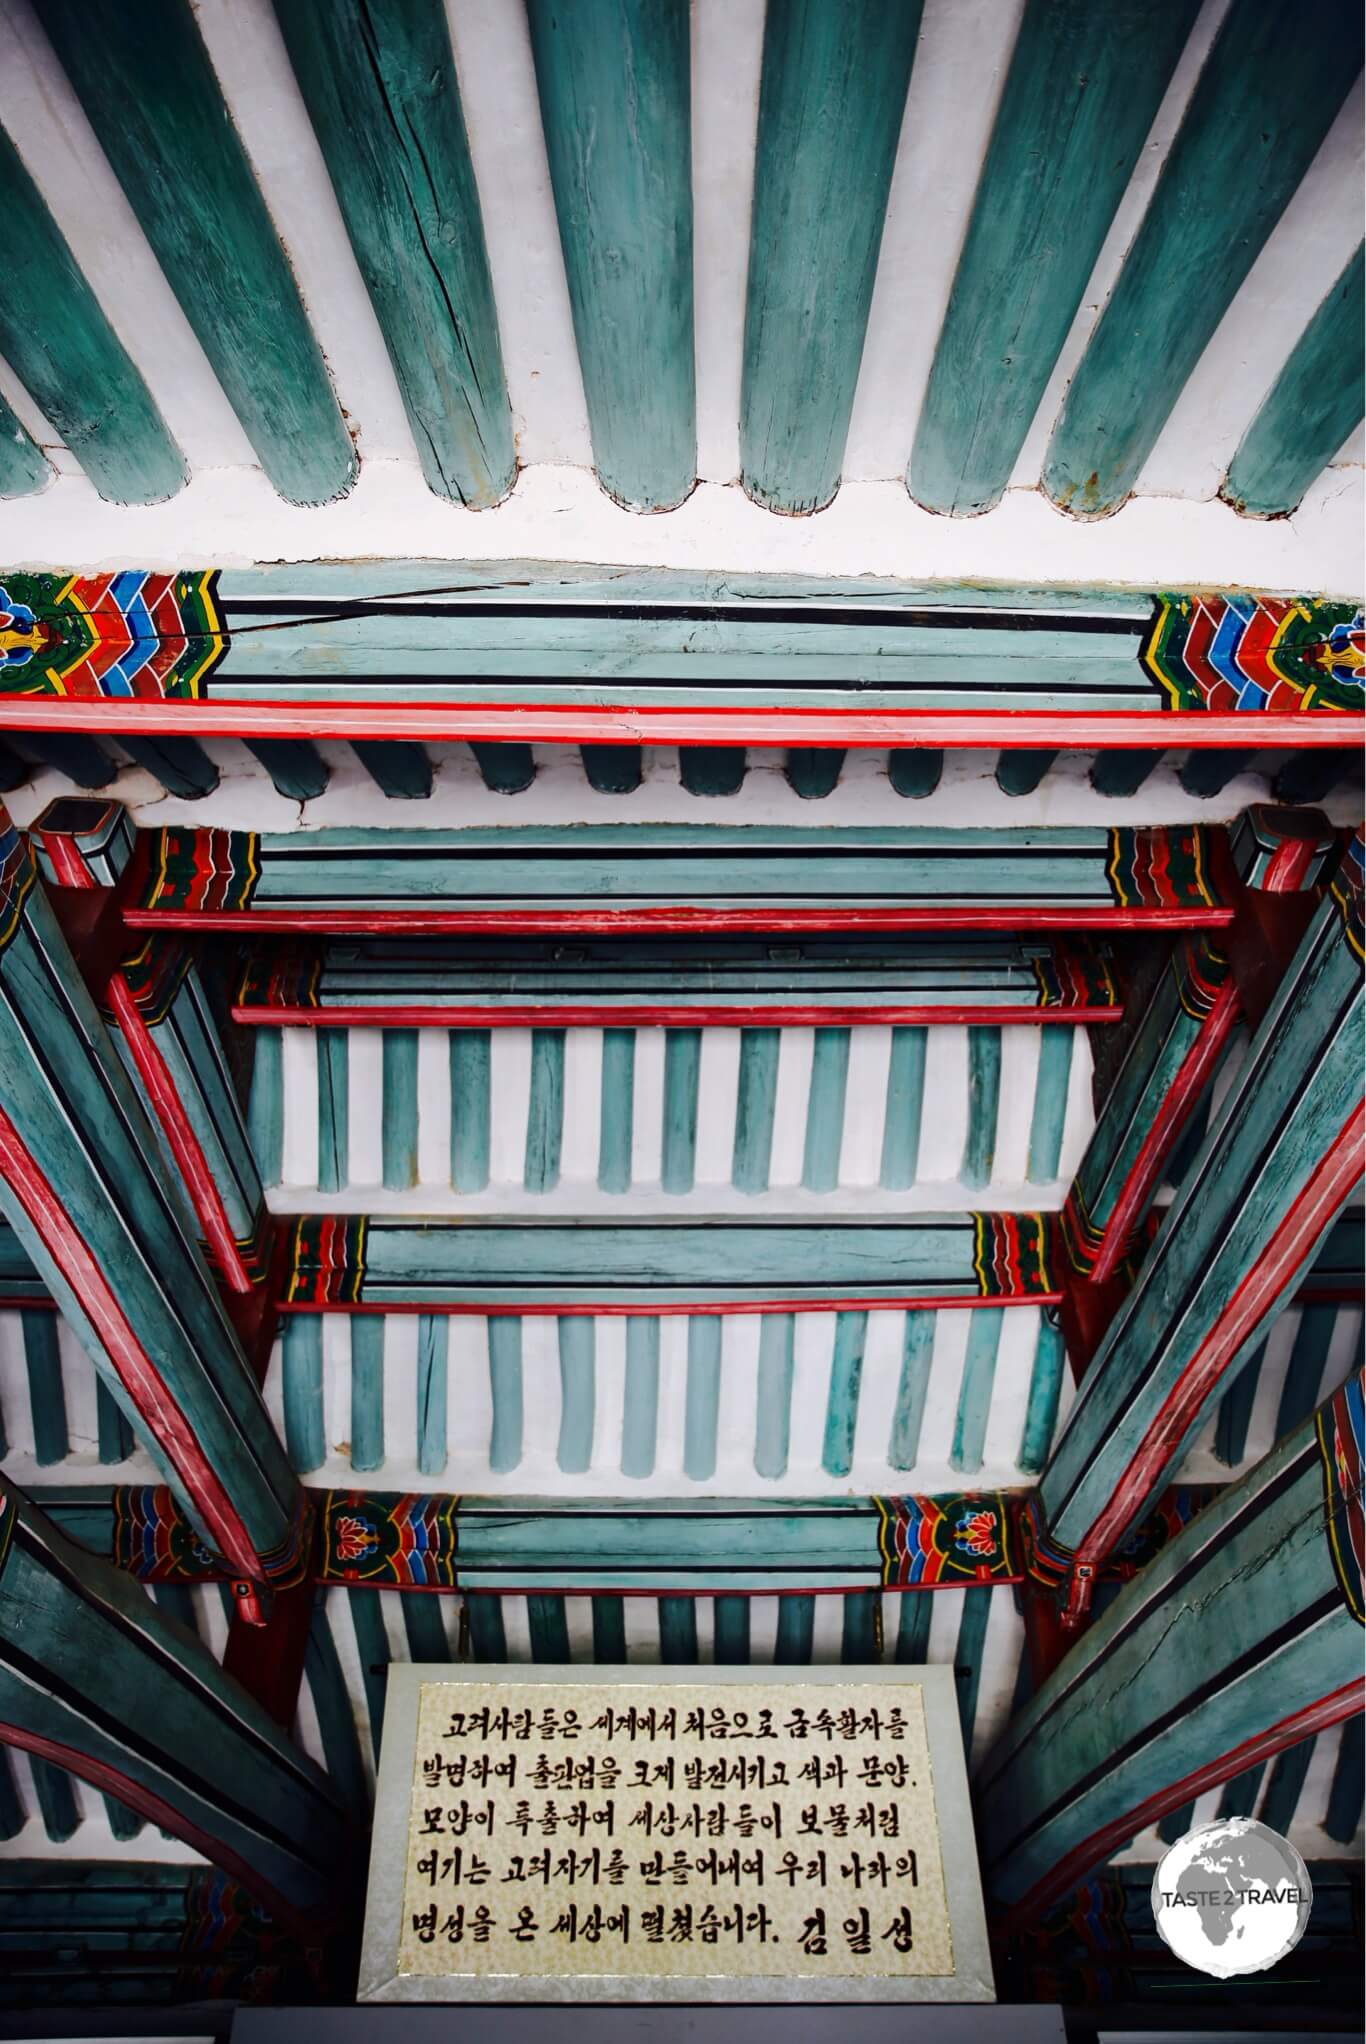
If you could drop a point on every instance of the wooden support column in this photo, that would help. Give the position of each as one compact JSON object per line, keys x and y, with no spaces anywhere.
{"x":1283,"y":1156}
{"x":1240,"y":1638}
{"x":614,"y":82}
{"x":85,"y":1185}
{"x":93,"y":1679}
{"x":1177,"y":1047}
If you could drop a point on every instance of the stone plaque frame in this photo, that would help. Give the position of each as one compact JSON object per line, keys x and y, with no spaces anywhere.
{"x":380,"y":1978}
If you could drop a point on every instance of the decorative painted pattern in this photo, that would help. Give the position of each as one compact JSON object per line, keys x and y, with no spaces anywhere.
{"x":1341,"y":1429}
{"x":1258,"y":653}
{"x":131,"y":634}
{"x":381,"y":1261}
{"x":680,"y":877}
{"x":928,"y":1541}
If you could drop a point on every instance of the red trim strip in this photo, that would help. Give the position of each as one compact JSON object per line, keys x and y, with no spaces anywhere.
{"x":1074,"y":1866}
{"x":673,"y":917}
{"x":558,"y":1016}
{"x":1329,"y":1186}
{"x":137,"y":1373}
{"x":609,"y":1307}
{"x":68,"y":866}
{"x":110,"y":1782}
{"x":184,"y":1143}
{"x":1175,"y":1108}
{"x":651,"y":724}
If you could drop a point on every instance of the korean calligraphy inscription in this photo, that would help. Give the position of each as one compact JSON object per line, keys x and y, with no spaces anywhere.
{"x":658,"y":1838}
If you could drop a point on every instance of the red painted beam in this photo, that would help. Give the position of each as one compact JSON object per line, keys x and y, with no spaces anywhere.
{"x":667,"y":724}
{"x":585,"y":1014}
{"x":563,"y":1309}
{"x":672,"y":919}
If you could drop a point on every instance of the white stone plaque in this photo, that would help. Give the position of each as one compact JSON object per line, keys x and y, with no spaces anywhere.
{"x":673,"y":1834}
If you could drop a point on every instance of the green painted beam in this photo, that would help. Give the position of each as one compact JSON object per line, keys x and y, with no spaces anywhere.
{"x":23,"y":465}
{"x":82,"y":759}
{"x":615,"y":88}
{"x":1083,"y":86}
{"x":1309,"y":776}
{"x":59,"y":344}
{"x":13,"y":770}
{"x":506,"y":769}
{"x":180,"y":764}
{"x":812,"y":772}
{"x":1270,"y":90}
{"x":145,"y":80}
{"x":297,"y":769}
{"x":1309,"y":410}
{"x":1122,"y":773}
{"x":831,"y":97}
{"x":379,"y":83}
{"x":916,"y":772}
{"x":611,"y":769}
{"x":1019,"y":773}
{"x":402,"y":771}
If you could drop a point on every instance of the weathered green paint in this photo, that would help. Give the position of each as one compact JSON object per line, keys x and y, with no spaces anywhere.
{"x":917,"y":1355}
{"x":1083,"y":87}
{"x":611,"y":769}
{"x":1283,"y":1790}
{"x":1019,"y":773}
{"x":773,"y":1415}
{"x":703,"y":1396}
{"x":575,"y":1451}
{"x":1239,"y":1796}
{"x":23,"y":465}
{"x":471,"y":1052}
{"x":682,"y":1071}
{"x":796,"y":1625}
{"x":1290,"y":1100}
{"x":859,"y":1631}
{"x":265,"y":1104}
{"x":379,"y":83}
{"x":1205,"y":774}
{"x":905,"y":1096}
{"x":56,"y":1799}
{"x":433,"y":1358}
{"x":1235,"y":1412}
{"x":730,"y":1632}
{"x":372,"y":1646}
{"x":55,"y":337}
{"x":617,"y":1110}
{"x":367,"y":1391}
{"x":1260,"y":109}
{"x":915,"y":772}
{"x":641,"y":1406}
{"x":984,"y":1102}
{"x":841,"y":1411}
{"x":1050,"y":1102}
{"x":147,"y":84}
{"x":712,"y":769}
{"x":302,"y":1388}
{"x":1122,"y":773}
{"x":974,"y":1395}
{"x":506,"y":769}
{"x":46,"y":1394}
{"x":831,"y":96}
{"x":487,"y":1633}
{"x":913,"y":1631}
{"x":425,"y":1632}
{"x":1182,"y":1669}
{"x":545,"y":1113}
{"x":677,"y":1631}
{"x":180,"y":764}
{"x":401,"y":771}
{"x":114,"y":1436}
{"x":197,"y":1742}
{"x":83,"y":760}
{"x":814,"y":772}
{"x":1343,"y":1818}
{"x":825,"y":1110}
{"x":967,"y":1656}
{"x":615,"y":91}
{"x":1304,"y":1373}
{"x":399,"y":1107}
{"x":1045,"y":1395}
{"x":505,"y":1382}
{"x":334,"y":1109}
{"x":1309,"y":410}
{"x":609,"y":1631}
{"x":297,"y":769}
{"x":756,"y":1102}
{"x":1309,"y":776}
{"x":549,"y":1629}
